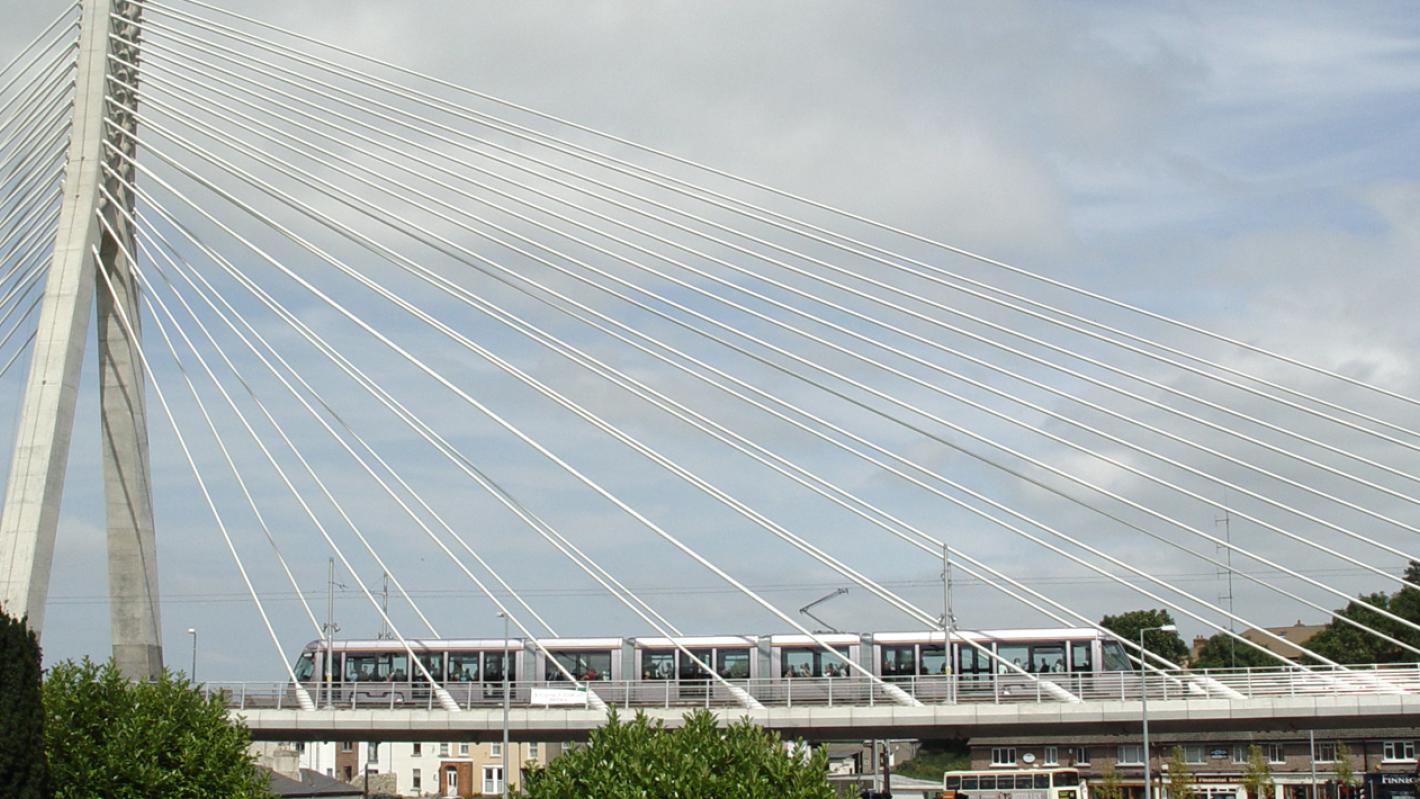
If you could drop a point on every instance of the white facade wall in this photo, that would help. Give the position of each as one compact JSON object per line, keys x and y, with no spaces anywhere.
{"x":404,"y":760}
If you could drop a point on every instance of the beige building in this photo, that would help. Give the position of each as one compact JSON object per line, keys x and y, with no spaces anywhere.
{"x":422,"y":769}
{"x":1295,"y":634}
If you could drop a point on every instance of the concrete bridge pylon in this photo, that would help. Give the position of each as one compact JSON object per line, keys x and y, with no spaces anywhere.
{"x":30,"y":516}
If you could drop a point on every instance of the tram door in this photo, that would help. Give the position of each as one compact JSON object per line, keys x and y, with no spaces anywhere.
{"x":973,"y":665}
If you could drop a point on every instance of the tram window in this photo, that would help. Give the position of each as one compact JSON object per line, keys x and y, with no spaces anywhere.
{"x":898,"y":661}
{"x":305,"y":667}
{"x":1047,"y":658}
{"x":934,"y":660}
{"x":1067,"y":779}
{"x":1017,"y":655}
{"x":583,"y":665}
{"x":657,"y":665}
{"x":954,"y":783}
{"x":493,"y":666}
{"x":1042,"y":781}
{"x":690,"y":670}
{"x":463,"y":667}
{"x":733,"y":664}
{"x":376,"y":667}
{"x":970,"y":783}
{"x":434,"y":662}
{"x":814,"y":663}
{"x":1114,"y":657}
{"x":1080,"y":656}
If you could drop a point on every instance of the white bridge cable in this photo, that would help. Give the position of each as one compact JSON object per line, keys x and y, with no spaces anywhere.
{"x":590,"y":482}
{"x":280,"y":430}
{"x":346,"y":69}
{"x":445,"y":700}
{"x":32,"y":157}
{"x":209,"y":156}
{"x":303,"y":697}
{"x":47,"y":71}
{"x":531,"y":637}
{"x":41,"y":113}
{"x":70,"y":12}
{"x":1220,"y":542}
{"x":140,"y":279}
{"x":464,"y":113}
{"x":937,"y":345}
{"x":36,"y":201}
{"x":558,"y":540}
{"x":797,"y":541}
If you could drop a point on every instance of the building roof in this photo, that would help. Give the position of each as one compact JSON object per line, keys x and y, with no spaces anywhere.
{"x":311,"y":784}
{"x":1294,"y":634}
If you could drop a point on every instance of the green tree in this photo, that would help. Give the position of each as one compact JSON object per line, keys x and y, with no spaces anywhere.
{"x":1344,"y":643}
{"x":1344,"y":770}
{"x":643,"y":760}
{"x":1222,"y":651}
{"x":1180,"y":779}
{"x":22,"y":768}
{"x":1128,"y":624}
{"x":1257,"y":778}
{"x":1109,"y":785}
{"x":106,"y":736}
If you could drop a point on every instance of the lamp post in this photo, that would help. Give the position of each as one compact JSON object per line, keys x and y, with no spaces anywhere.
{"x":1144,"y":699}
{"x":192,"y":675}
{"x":504,"y":791}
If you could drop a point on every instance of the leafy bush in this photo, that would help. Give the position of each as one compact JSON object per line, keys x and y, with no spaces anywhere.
{"x":22,"y":768}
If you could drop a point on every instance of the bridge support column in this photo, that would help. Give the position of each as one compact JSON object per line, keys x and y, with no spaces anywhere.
{"x":36,"y":482}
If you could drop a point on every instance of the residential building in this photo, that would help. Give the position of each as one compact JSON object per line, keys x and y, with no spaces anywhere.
{"x":1295,"y":635}
{"x":425,"y":768}
{"x":1383,"y":760}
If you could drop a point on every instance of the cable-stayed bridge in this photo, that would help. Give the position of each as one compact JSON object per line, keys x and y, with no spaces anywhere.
{"x":396,"y":322}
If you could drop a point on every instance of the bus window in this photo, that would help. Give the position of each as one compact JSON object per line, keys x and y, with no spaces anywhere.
{"x":1080,"y":656}
{"x":493,"y":666}
{"x":954,"y":783}
{"x":733,"y":664}
{"x":657,"y":665}
{"x":934,"y":660}
{"x":970,"y":783}
{"x":1017,"y":655}
{"x":897,"y":661}
{"x":1042,"y":781}
{"x":305,"y":667}
{"x":988,"y":782}
{"x":690,"y":670}
{"x":1067,"y":779}
{"x":1046,"y":658}
{"x":1114,"y":657}
{"x":463,"y":667}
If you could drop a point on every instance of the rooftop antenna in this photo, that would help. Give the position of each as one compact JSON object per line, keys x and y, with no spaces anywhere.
{"x":830,"y":595}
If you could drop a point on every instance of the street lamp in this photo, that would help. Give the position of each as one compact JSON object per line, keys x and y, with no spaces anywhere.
{"x":192,"y":675}
{"x":1144,"y":699}
{"x":504,"y":791}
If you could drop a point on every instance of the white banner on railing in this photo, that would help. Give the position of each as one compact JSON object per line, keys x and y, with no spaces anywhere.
{"x":559,"y":696}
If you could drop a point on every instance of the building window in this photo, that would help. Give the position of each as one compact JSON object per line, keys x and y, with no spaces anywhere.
{"x":1051,"y":756}
{"x":416,"y":750}
{"x":1131,"y":755}
{"x":347,"y":746}
{"x":443,"y":749}
{"x":1399,"y":751}
{"x":1193,"y":753}
{"x":495,"y":749}
{"x":416,"y":780}
{"x":492,"y":780}
{"x":300,"y":747}
{"x":1240,"y":753}
{"x":372,"y":753}
{"x":533,"y":750}
{"x":463,"y":748}
{"x":1081,"y":755}
{"x":1003,"y":756}
{"x":1326,"y":752}
{"x":1275,"y":753}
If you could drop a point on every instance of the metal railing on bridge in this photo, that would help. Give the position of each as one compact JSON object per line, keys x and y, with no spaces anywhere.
{"x":1233,"y":684}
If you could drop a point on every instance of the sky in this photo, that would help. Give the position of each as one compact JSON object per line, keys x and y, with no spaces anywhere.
{"x":1247,"y":168}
